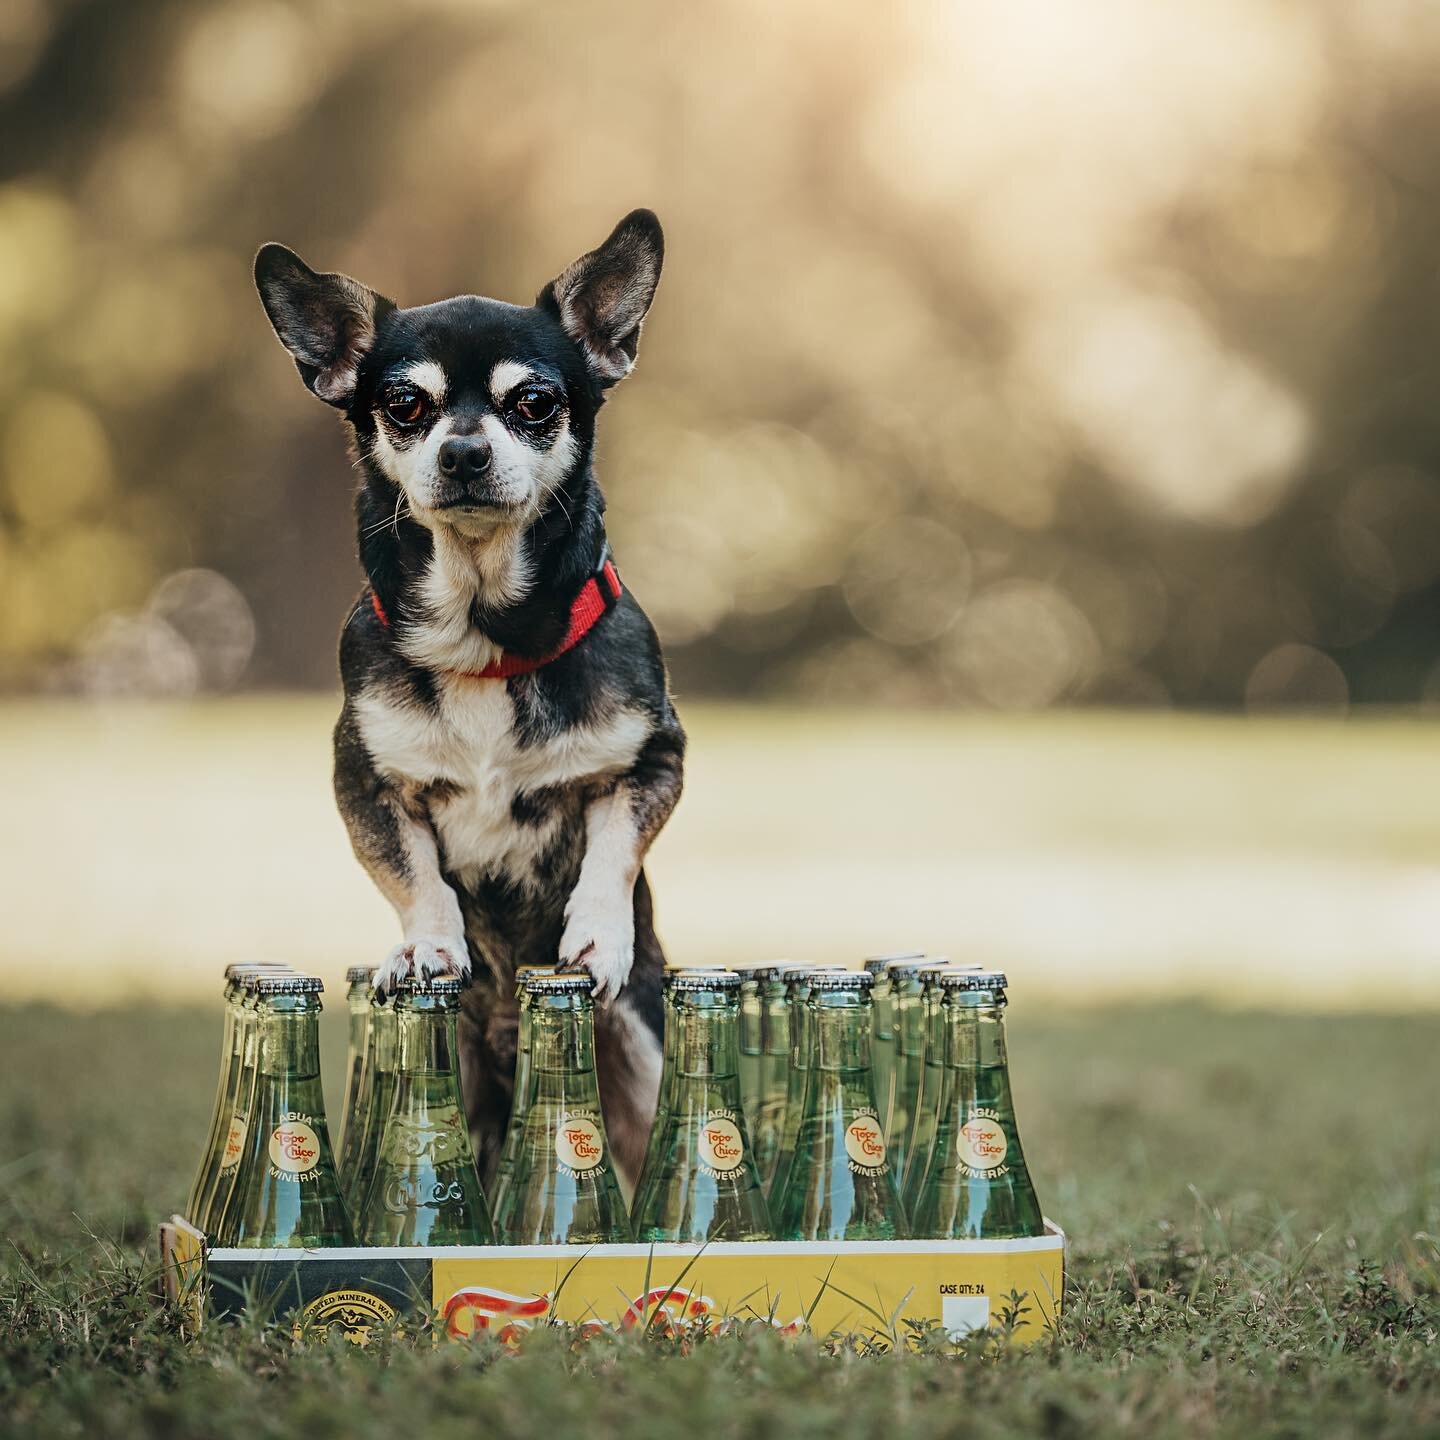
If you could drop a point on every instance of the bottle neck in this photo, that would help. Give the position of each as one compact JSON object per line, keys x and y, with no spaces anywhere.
{"x":358,"y":1002}
{"x":427,"y":1035}
{"x":290,"y":1036}
{"x":384,"y":1038}
{"x":973,"y":1025}
{"x":707,"y":1042}
{"x":562,"y":1034}
{"x":841,"y":1023}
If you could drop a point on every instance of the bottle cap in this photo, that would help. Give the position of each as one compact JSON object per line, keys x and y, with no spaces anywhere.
{"x":702,"y":980}
{"x":972,"y":979}
{"x":543,"y":983}
{"x":679,"y":972}
{"x":433,"y":985}
{"x":768,"y":969}
{"x":841,"y":980}
{"x":253,"y":967}
{"x":293,"y":984}
{"x":356,"y":973}
{"x":905,"y":964}
{"x":879,"y":964}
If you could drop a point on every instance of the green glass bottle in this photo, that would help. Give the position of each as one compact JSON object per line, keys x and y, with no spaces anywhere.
{"x":515,"y":1127}
{"x":424,"y":1190}
{"x":229,"y":1142}
{"x":839,"y":1185}
{"x":700,"y":1181}
{"x":358,"y":981}
{"x":286,"y":1191}
{"x":379,"y":1074}
{"x":750,"y":1032}
{"x":976,"y":1185}
{"x":796,"y":986}
{"x":667,"y":1052}
{"x":908,"y":1028}
{"x":768,"y":1128}
{"x":230,"y":1051}
{"x":882,"y":1034}
{"x":932,"y":1072}
{"x":564,"y":1189}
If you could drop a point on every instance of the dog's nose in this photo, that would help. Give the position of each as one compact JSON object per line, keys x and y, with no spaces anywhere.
{"x":465,"y":457}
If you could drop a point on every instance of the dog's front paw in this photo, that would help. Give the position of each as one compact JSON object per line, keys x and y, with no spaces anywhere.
{"x":600,"y":938}
{"x":424,"y":956}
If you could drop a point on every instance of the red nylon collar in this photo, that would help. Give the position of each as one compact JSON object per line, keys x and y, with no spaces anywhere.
{"x":594,"y":599}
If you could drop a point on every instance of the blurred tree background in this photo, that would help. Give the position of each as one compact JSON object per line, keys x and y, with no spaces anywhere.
{"x":1007,"y":355}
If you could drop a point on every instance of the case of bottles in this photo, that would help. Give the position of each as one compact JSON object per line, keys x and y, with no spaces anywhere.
{"x":928,"y":1050}
{"x":852,"y":1287}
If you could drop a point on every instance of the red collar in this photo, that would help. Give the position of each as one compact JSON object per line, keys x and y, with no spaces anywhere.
{"x":598,"y":594}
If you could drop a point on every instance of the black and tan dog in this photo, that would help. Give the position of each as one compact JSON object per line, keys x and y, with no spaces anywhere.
{"x":508,"y":748}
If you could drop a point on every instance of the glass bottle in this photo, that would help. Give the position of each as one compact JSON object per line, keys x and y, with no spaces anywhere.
{"x":751,"y":1042}
{"x":932,"y":1068}
{"x":700,"y":1180}
{"x":424,"y":1189}
{"x":358,"y":979}
{"x":230,"y":1141}
{"x":237,"y":979}
{"x":564,"y":1189}
{"x":767,"y":1130}
{"x":796,"y":987}
{"x":908,"y":1029}
{"x":839,"y":1185}
{"x":379,"y":1075}
{"x":882,"y":1033}
{"x":976,"y":1185}
{"x":515,"y":1126}
{"x":286,"y":1190}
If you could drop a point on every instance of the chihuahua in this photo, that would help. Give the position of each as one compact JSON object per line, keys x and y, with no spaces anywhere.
{"x":508,"y":748}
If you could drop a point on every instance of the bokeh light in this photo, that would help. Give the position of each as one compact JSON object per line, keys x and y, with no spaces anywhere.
{"x":1007,"y":355}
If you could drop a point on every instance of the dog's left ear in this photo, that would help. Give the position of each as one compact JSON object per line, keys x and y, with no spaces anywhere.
{"x":326,"y":321}
{"x":602,"y":299}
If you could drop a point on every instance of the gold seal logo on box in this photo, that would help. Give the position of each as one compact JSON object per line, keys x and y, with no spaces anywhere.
{"x":354,"y":1313}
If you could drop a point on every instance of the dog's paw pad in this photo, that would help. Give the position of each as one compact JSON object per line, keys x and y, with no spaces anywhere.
{"x":425,"y":957}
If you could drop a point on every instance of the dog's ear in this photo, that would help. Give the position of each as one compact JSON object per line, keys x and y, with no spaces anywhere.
{"x":602,"y":298}
{"x":326,"y":322}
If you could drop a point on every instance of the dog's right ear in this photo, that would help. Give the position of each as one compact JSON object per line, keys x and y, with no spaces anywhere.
{"x":326,"y":322}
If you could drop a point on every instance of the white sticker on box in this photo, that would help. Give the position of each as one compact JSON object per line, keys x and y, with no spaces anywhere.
{"x":960,"y":1314}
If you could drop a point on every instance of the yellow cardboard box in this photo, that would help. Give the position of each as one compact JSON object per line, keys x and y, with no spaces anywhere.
{"x":841,"y":1288}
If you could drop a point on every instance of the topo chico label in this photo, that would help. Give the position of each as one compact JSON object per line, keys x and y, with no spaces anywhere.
{"x":579,"y":1142}
{"x":865,"y":1144}
{"x":234,"y":1142}
{"x":294,"y":1148}
{"x":722,"y":1147}
{"x":981,"y":1146}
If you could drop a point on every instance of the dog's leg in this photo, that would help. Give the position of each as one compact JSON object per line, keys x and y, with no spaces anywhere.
{"x":619,"y":826}
{"x":392,"y":838}
{"x":628,"y":1049}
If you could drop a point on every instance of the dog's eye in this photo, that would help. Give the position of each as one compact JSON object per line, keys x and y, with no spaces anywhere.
{"x":536,"y":406}
{"x":406,"y":407}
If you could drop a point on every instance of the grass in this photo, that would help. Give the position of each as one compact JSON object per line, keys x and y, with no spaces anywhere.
{"x":1253,"y":1198}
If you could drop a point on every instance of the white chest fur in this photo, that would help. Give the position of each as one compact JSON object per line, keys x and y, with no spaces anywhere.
{"x":469,"y":742}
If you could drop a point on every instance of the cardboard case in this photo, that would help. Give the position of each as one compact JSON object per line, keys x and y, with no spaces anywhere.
{"x":829,"y":1288}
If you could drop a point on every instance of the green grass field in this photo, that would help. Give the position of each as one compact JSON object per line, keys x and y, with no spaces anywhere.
{"x":1253,"y":1201}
